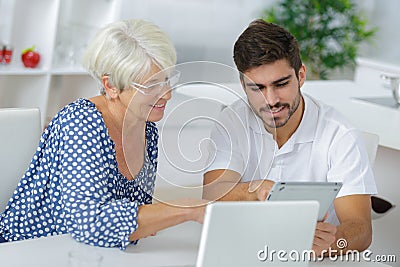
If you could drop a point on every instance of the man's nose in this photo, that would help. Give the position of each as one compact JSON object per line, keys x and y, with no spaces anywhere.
{"x":271,"y":97}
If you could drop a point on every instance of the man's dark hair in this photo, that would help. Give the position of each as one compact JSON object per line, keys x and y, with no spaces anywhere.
{"x":264,"y":43}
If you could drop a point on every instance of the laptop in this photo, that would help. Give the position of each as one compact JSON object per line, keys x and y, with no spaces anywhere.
{"x":257,"y":233}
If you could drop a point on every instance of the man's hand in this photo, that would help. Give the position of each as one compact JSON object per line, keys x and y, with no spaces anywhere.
{"x":226,"y":185}
{"x":324,"y":237}
{"x":354,"y":214}
{"x":262,"y":188}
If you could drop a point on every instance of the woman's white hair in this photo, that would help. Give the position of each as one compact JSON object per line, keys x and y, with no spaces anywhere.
{"x":125,"y":51}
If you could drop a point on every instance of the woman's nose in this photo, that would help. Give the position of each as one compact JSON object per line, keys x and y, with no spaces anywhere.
{"x":167,"y":94}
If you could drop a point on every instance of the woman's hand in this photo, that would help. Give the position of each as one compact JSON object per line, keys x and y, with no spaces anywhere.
{"x":195,"y":208}
{"x":155,"y":217}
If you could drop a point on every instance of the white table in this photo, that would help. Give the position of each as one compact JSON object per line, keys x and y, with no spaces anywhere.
{"x":345,"y":96}
{"x":176,"y":246}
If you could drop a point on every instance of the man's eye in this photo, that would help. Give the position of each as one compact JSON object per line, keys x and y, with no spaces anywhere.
{"x":282,"y":84}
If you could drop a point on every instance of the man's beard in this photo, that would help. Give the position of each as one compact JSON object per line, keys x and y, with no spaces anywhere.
{"x":291,"y":110}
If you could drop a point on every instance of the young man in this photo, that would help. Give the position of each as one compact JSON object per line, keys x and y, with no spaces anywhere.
{"x":279,"y":134}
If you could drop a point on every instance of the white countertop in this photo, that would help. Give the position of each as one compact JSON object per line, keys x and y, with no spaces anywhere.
{"x":341,"y":94}
{"x":381,"y":120}
{"x":176,"y":246}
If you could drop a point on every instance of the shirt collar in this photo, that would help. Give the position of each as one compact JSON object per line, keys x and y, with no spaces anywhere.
{"x":308,"y":125}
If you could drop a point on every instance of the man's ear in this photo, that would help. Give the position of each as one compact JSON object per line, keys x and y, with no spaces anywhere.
{"x":111,"y":91}
{"x":302,"y":74}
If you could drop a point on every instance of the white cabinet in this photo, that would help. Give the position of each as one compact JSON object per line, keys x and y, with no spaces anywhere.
{"x":60,"y":30}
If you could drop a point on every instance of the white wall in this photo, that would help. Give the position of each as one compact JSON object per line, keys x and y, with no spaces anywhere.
{"x":200,"y":29}
{"x":6,"y":8}
{"x":207,"y":29}
{"x":383,"y":14}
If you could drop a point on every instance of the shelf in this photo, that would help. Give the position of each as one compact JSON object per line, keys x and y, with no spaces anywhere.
{"x":6,"y":70}
{"x":61,"y":31}
{"x":10,"y":70}
{"x":69,"y":71}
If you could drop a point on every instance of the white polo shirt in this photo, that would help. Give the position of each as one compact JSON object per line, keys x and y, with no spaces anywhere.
{"x":325,"y":147}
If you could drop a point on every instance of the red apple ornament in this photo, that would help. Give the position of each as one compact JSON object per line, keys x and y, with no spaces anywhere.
{"x":30,"y":57}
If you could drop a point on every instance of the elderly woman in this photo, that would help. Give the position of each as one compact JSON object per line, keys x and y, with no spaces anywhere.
{"x":93,"y":173}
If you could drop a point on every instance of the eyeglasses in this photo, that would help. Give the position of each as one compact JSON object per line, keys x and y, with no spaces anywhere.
{"x":158,"y":88}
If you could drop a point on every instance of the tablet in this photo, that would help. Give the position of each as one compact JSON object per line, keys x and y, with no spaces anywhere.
{"x":323,"y":192}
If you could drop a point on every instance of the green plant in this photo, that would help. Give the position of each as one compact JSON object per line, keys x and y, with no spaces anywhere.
{"x":329,"y":32}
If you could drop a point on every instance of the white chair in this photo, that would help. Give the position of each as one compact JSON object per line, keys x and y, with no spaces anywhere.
{"x":371,"y":143}
{"x":19,"y":137}
{"x":380,"y":206}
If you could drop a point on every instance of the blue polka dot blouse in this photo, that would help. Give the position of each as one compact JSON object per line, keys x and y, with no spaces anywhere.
{"x":73,"y":184}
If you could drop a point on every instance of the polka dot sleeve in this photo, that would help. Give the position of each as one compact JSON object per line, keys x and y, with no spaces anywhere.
{"x":92,"y":214}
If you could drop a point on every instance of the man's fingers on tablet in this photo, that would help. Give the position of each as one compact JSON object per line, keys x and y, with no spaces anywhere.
{"x":326,"y":227}
{"x":324,"y":237}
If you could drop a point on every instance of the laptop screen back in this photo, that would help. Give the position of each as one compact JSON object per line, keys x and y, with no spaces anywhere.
{"x":253,"y":233}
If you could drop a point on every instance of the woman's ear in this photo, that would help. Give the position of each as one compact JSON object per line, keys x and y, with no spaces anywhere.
{"x":111,"y":91}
